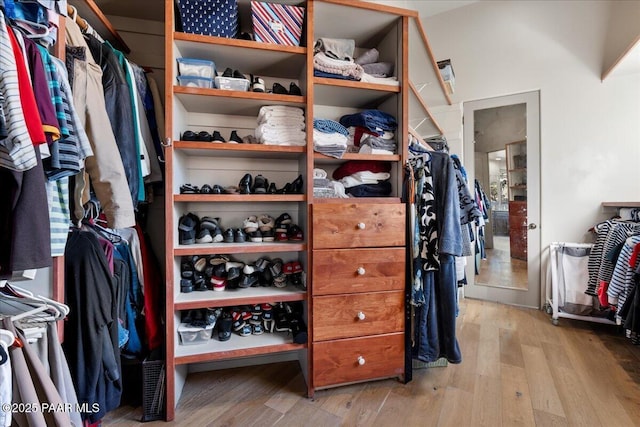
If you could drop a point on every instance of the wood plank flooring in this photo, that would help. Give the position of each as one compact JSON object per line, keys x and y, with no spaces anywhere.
{"x":517,"y":370}
{"x":499,"y":269}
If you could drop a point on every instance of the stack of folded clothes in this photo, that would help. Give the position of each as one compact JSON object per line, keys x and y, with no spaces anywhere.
{"x":370,"y":132}
{"x":329,"y":137}
{"x":281,"y":125}
{"x":363,"y":178}
{"x":374,"y":71}
{"x":323,"y":187}
{"x":333,"y":58}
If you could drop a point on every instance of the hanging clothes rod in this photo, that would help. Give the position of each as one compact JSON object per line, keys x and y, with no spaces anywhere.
{"x":82,"y":23}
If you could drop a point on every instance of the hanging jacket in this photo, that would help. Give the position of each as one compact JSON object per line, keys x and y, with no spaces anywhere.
{"x":108,"y":178}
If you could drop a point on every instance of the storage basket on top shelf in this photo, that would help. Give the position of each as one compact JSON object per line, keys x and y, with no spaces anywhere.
{"x":209,"y":17}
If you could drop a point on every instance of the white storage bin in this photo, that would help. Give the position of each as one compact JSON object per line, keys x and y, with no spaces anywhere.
{"x":190,"y":335}
{"x":196,"y":68}
{"x":230,"y":83}
{"x":190,"y":81}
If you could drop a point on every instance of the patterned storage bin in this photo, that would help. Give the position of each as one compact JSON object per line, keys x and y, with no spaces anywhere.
{"x":209,"y":17}
{"x":277,"y":23}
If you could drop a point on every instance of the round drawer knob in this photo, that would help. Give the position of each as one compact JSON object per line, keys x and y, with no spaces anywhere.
{"x":361,"y":271}
{"x":362,"y":225}
{"x":361,"y":315}
{"x":361,"y":360}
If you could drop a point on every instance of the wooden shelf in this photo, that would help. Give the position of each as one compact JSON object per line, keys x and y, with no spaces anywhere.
{"x":233,"y":297}
{"x":241,"y":198}
{"x":350,"y":93}
{"x":518,"y":170}
{"x":238,"y":248}
{"x":519,"y":186}
{"x":263,"y":59}
{"x":322,"y":158}
{"x":232,"y":102}
{"x":359,"y":200}
{"x":237,"y":346}
{"x":621,"y":204}
{"x":212,"y":149}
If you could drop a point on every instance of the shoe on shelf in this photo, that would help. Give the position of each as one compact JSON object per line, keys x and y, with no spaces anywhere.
{"x":217,"y":137}
{"x":245,"y":184}
{"x":272,"y":188}
{"x":284,"y":218}
{"x":229,"y":236}
{"x":241,"y":236}
{"x":250,"y":224}
{"x":245,"y":36}
{"x":294,"y":89}
{"x":234,"y":138}
{"x":266,"y":222}
{"x":204,"y":136}
{"x":295,"y":233}
{"x":296,"y":185}
{"x":189,"y":189}
{"x":204,"y":236}
{"x":228,"y":72}
{"x":279,"y":89}
{"x":206,"y":189}
{"x":186,"y":285}
{"x":189,"y":135}
{"x":260,"y":184}
{"x":256,"y":236}
{"x":238,"y":75}
{"x":224,"y":326}
{"x":217,"y":189}
{"x":268,"y":236}
{"x":258,"y":85}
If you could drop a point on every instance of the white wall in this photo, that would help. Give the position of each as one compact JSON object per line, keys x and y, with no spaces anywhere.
{"x":590,"y":130}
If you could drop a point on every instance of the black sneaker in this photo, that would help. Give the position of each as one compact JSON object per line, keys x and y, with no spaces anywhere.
{"x":279,"y":89}
{"x":228,"y":73}
{"x":234,"y":137}
{"x":238,"y":75}
{"x":217,"y":137}
{"x":224,"y":326}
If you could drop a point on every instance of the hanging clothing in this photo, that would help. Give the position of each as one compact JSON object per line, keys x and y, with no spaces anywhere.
{"x":108,"y":177}
{"x":118,"y":105}
{"x":91,"y":328}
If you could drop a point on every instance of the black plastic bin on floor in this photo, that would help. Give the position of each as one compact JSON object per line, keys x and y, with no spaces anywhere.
{"x":153,"y":390}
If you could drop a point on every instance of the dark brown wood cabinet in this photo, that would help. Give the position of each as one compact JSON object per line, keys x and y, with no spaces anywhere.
{"x":518,"y":229}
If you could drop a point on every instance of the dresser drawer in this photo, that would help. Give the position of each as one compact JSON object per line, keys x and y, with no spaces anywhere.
{"x":351,"y":225}
{"x":357,"y":359}
{"x":356,"y":315}
{"x":337,"y":271}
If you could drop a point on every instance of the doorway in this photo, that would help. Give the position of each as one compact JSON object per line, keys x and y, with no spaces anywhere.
{"x":501,"y":153}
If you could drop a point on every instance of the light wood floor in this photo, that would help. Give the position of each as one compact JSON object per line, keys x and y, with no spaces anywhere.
{"x":499,"y":269}
{"x":517,"y":370}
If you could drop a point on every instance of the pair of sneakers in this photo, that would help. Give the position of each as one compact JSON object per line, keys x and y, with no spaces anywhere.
{"x":281,"y":90}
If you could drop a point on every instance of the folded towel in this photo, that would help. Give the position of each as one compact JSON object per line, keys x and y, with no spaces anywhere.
{"x":318,"y":73}
{"x":366,"y":149}
{"x":284,"y":122}
{"x":364,"y":177}
{"x":368,"y":57}
{"x":346,"y":68}
{"x":322,"y":138}
{"x":368,"y":78}
{"x":319,"y":173}
{"x":294,"y":111}
{"x":336,"y":48}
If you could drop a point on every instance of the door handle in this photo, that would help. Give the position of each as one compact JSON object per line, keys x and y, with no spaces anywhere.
{"x":532,"y":226}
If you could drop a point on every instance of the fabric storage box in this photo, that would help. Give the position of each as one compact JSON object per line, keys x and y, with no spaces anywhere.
{"x":209,"y":17}
{"x":196,"y":68}
{"x":277,"y":23}
{"x":190,"y":335}
{"x":191,"y":81}
{"x":230,"y":83}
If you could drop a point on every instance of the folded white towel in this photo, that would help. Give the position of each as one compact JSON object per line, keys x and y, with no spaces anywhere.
{"x":364,"y":177}
{"x":319,"y":173}
{"x":297,"y":123}
{"x":368,"y":78}
{"x":282,"y":109}
{"x":366,"y":149}
{"x":321,"y":138}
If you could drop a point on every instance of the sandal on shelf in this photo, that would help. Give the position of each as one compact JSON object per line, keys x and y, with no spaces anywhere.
{"x":189,"y":189}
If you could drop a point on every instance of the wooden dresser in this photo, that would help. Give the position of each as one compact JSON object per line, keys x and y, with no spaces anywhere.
{"x":357,"y":296}
{"x":518,"y":229}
